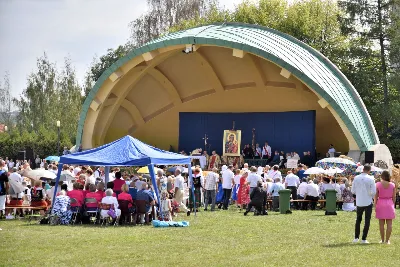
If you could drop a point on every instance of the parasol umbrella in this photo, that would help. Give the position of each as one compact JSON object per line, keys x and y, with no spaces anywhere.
{"x":39,"y":173}
{"x":373,"y":169}
{"x":314,"y":170}
{"x":15,"y":187}
{"x":53,"y":158}
{"x":333,"y":171}
{"x":348,"y":166}
{"x":146,"y":170}
{"x":67,"y":176}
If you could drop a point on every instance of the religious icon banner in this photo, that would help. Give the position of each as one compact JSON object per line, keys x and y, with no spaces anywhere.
{"x":231,"y":143}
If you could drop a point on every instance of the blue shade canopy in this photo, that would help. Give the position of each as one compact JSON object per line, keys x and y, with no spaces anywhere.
{"x":126,"y":151}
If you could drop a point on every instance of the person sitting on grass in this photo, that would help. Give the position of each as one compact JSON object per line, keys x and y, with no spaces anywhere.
{"x":258,"y":198}
{"x":274,"y":191}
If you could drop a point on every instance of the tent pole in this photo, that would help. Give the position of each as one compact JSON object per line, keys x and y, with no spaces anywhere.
{"x":154,"y":182}
{"x":60,"y":167}
{"x":192,"y":187}
{"x":107,"y":175}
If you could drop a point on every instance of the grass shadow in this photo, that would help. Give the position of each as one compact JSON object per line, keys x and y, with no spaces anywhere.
{"x":348,"y":244}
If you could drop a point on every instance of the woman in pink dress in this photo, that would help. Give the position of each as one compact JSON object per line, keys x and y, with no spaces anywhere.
{"x":384,"y":208}
{"x":243,"y":194}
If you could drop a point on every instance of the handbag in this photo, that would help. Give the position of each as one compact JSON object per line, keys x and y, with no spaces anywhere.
{"x":111,"y":212}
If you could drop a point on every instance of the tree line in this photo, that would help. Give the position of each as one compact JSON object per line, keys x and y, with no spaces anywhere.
{"x":361,"y":37}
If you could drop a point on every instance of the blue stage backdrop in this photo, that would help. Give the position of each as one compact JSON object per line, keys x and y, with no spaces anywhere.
{"x":284,"y":131}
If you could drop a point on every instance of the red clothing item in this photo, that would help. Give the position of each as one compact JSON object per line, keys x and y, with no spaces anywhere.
{"x":85,"y":193}
{"x":93,"y":195}
{"x":118,"y":183}
{"x":78,"y":195}
{"x":126,"y":196}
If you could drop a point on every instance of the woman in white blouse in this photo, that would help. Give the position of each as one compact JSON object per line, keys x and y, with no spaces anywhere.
{"x":110,"y":200}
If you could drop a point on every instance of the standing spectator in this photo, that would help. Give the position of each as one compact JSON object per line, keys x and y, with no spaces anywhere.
{"x":66,"y":151}
{"x":198,"y":182}
{"x":37,"y":162}
{"x":118,"y":183}
{"x":292,"y":182}
{"x":312,"y":194}
{"x":90,"y":177}
{"x":253,"y":178}
{"x":235,"y":189}
{"x":385,"y":200}
{"x":244,"y":191}
{"x":4,"y":185}
{"x":301,"y":171}
{"x":274,"y":191}
{"x":211,"y":188}
{"x":227,"y":182}
{"x":179,"y":187}
{"x":364,"y":189}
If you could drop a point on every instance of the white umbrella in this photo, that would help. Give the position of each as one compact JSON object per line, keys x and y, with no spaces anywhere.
{"x":314,"y":170}
{"x":332,"y":171}
{"x":15,"y":187}
{"x":67,"y":176}
{"x":373,"y":169}
{"x":39,"y":173}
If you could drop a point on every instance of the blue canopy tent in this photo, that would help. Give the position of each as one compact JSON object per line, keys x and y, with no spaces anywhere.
{"x":126,"y":151}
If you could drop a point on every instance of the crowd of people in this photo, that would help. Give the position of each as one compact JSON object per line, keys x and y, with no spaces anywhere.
{"x":87,"y":197}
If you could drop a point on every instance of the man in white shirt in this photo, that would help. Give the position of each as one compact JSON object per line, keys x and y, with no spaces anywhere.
{"x":253,"y":178}
{"x":227,"y":182}
{"x":312,"y":194}
{"x":266,"y":151}
{"x":274,"y":173}
{"x":179,"y":189}
{"x":211,"y":187}
{"x":11,"y":164}
{"x":292,"y":182}
{"x":364,"y":188}
{"x":331,"y":151}
{"x":301,"y":191}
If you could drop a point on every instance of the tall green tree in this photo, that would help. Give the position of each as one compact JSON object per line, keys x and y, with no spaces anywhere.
{"x":50,"y":96}
{"x":5,"y":101}
{"x":372,"y":20}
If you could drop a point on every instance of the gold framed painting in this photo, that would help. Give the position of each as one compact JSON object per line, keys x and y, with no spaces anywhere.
{"x":231,"y":143}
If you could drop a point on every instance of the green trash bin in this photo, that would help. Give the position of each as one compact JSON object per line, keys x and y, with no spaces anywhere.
{"x":330,"y":206}
{"x":284,"y":201}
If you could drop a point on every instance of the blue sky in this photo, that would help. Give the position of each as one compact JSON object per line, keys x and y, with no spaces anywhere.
{"x":75,"y":28}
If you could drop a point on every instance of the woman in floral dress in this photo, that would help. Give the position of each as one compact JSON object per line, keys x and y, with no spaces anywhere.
{"x":244,"y":189}
{"x":62,"y":208}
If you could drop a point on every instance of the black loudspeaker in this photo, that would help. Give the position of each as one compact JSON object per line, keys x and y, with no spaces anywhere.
{"x":369,"y":157}
{"x":29,"y":154}
{"x":337,"y":154}
{"x":21,"y":155}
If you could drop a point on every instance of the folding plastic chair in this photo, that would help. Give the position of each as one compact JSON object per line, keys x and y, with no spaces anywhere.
{"x":92,"y":212}
{"x":75,"y":210}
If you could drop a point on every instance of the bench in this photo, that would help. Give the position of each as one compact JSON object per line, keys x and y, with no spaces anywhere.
{"x":30,"y":216}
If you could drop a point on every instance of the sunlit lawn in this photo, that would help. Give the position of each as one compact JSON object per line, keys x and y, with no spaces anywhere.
{"x":222,"y":238}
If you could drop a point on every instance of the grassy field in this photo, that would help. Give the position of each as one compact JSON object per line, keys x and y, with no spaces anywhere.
{"x":221,"y":238}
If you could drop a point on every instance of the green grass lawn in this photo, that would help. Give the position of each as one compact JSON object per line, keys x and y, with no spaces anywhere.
{"x":221,"y":238}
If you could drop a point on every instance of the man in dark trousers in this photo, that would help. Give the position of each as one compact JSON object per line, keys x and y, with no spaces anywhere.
{"x":258,"y":198}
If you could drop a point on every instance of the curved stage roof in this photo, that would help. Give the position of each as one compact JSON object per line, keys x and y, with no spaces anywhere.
{"x":305,"y":63}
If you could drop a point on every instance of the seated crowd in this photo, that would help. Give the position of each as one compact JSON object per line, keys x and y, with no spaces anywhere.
{"x":132,"y":199}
